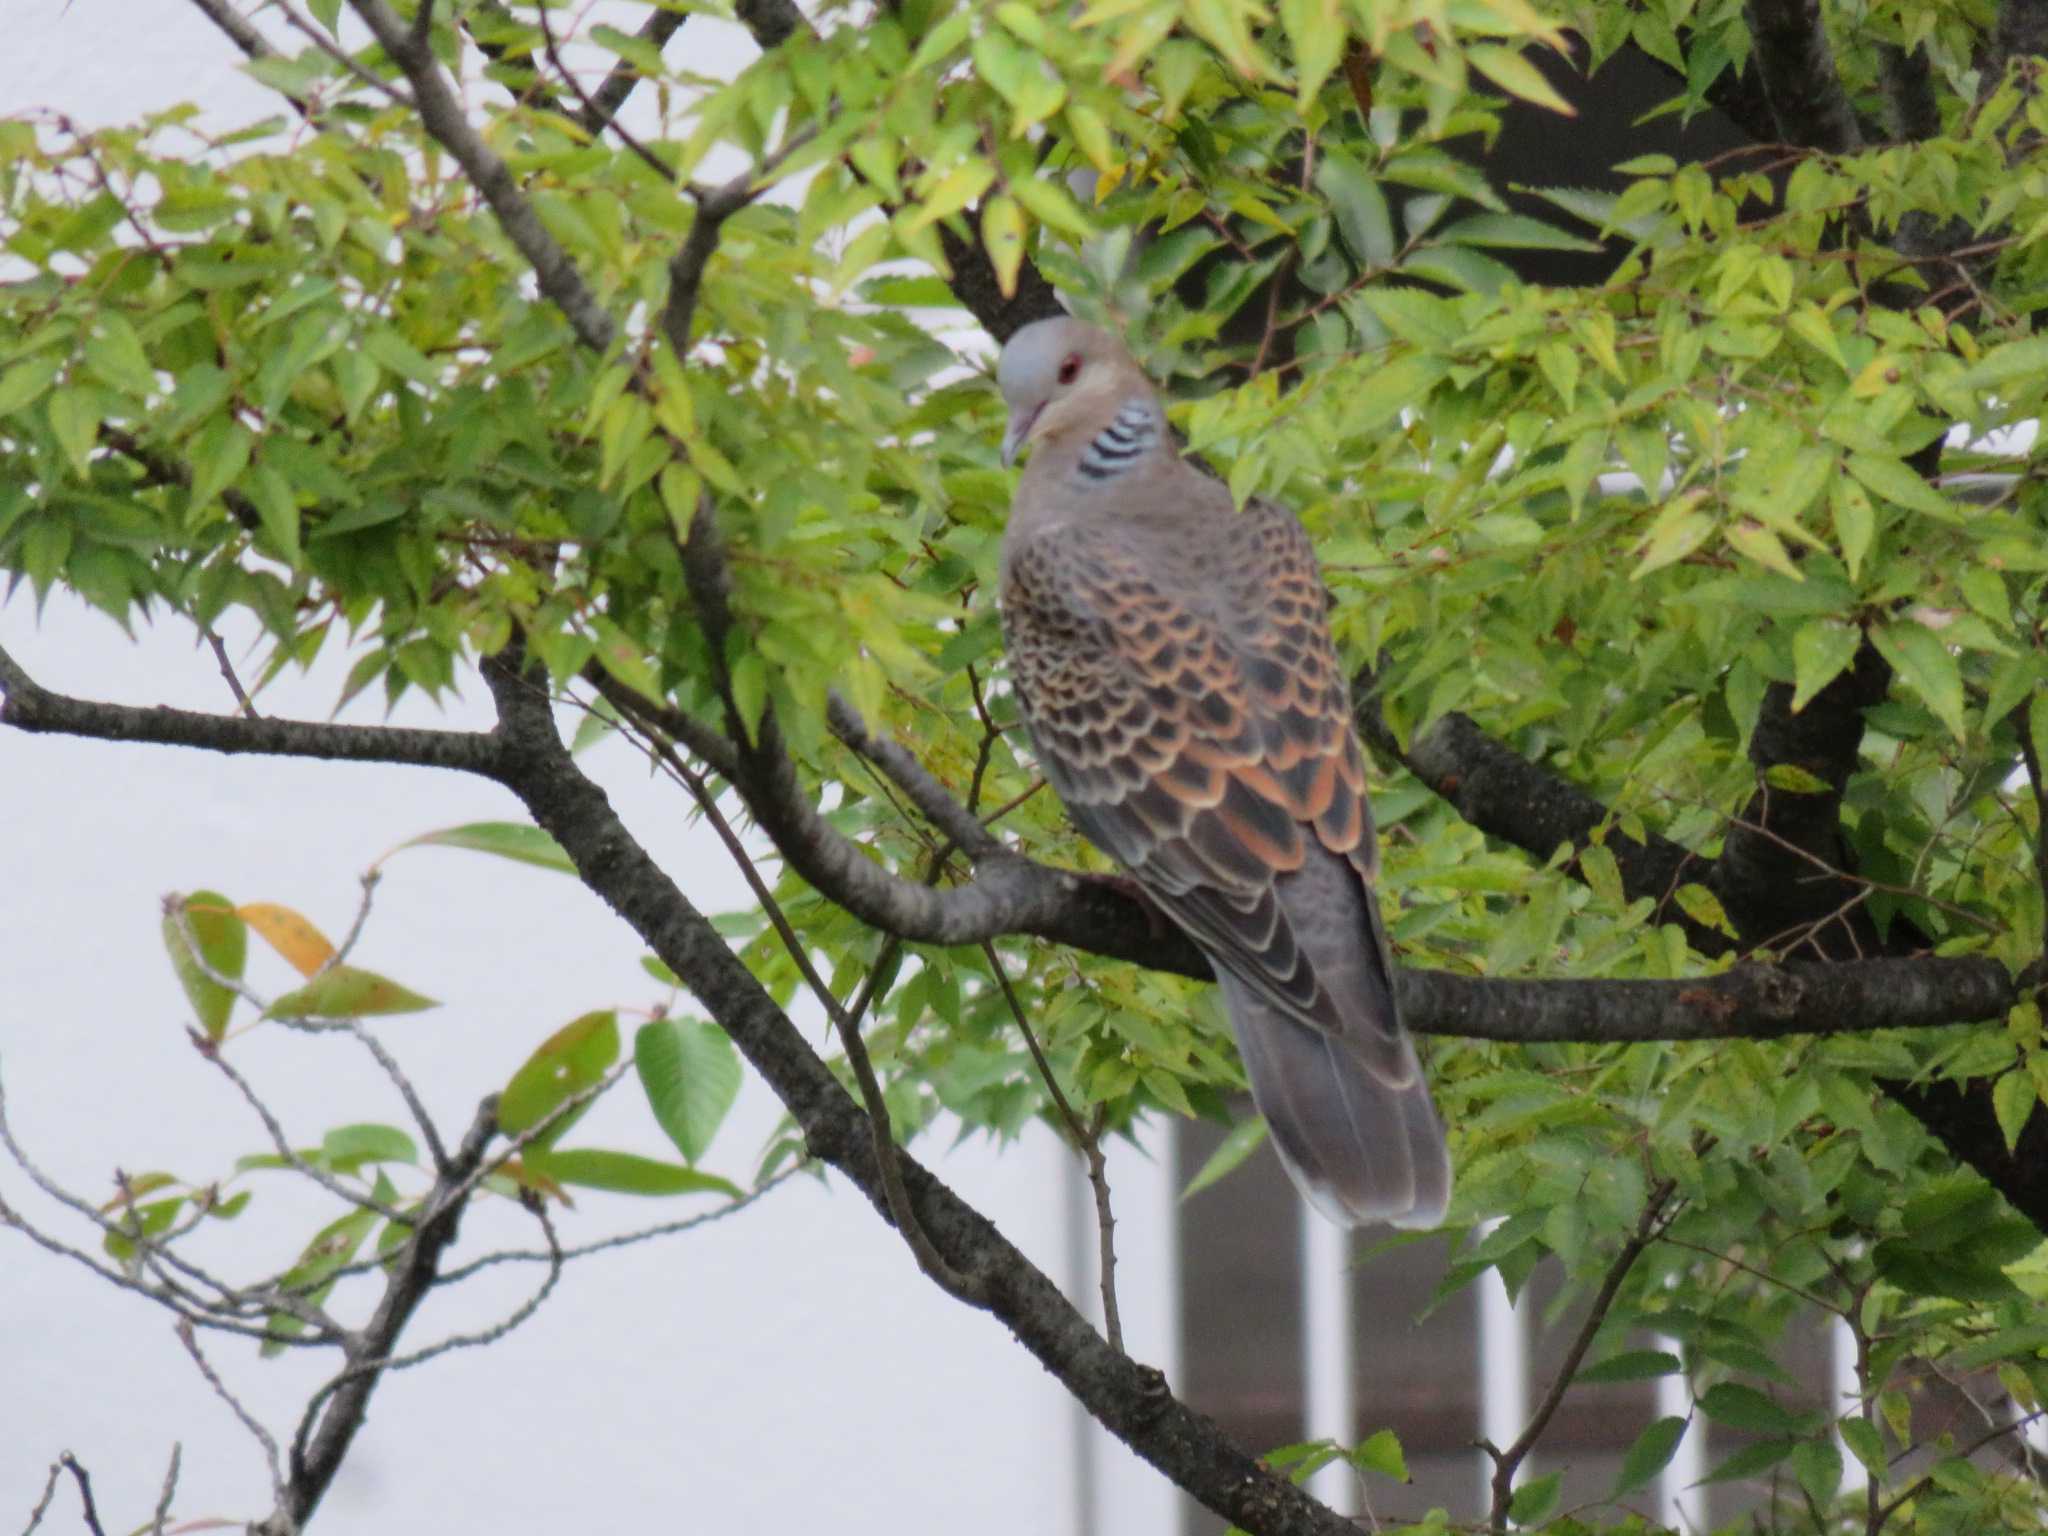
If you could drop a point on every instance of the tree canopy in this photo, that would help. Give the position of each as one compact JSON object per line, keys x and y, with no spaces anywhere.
{"x":1697,"y":607}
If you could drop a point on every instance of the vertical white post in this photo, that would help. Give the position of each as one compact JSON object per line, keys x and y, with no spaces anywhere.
{"x":1114,"y":1490}
{"x":1326,"y":1352}
{"x":1846,"y":1396}
{"x":1503,"y":1359}
{"x":1680,"y":1504}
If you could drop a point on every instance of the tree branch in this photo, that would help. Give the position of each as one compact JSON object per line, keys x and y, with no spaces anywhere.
{"x":1508,"y":1462}
{"x":412,"y":1274}
{"x":28,"y":706}
{"x":442,"y":116}
{"x":1131,"y":1401}
{"x":1506,"y":796}
{"x":1799,"y":78}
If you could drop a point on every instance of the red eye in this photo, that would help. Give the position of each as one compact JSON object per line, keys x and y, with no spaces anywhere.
{"x":1070,"y":368}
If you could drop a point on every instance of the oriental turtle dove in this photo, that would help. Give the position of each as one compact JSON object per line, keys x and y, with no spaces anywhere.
{"x":1173,"y":660}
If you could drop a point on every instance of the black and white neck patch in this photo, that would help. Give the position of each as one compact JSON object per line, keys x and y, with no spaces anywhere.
{"x":1131,"y":434}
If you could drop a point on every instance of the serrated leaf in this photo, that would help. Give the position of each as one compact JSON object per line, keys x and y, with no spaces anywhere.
{"x":1002,"y":236}
{"x":1510,"y":69}
{"x":1751,"y":1460}
{"x":1795,"y":780}
{"x":1360,"y":207}
{"x":1818,"y":1466}
{"x":1745,"y":1408}
{"x":1925,"y":665}
{"x":1703,"y":907}
{"x":348,"y":992}
{"x":304,"y":947}
{"x":1632,"y":1365}
{"x":691,"y":1074}
{"x":1821,"y":651}
{"x":1649,"y":1455}
{"x":1897,"y":483}
{"x":1866,"y":1444}
{"x":2013,"y":1098}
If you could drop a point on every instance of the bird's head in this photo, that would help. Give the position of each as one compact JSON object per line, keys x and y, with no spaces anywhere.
{"x":1057,"y":372}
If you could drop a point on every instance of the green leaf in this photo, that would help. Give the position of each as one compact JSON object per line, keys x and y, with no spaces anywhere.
{"x":1360,"y":207}
{"x":349,"y":1146}
{"x":1245,"y":1138}
{"x":1381,"y":1452}
{"x":2013,"y":1098}
{"x":507,"y":839}
{"x":1866,"y":1444}
{"x":625,"y":1173}
{"x":1700,"y":904}
{"x":1821,"y":650}
{"x":223,"y":944}
{"x":1020,"y":76}
{"x":1534,"y":1500}
{"x":347,"y":992}
{"x":1649,"y":1455}
{"x":1510,"y":69}
{"x":1925,"y":665}
{"x":1741,"y":1407}
{"x":24,"y":383}
{"x":1751,"y":1460}
{"x":573,"y":1060}
{"x":1632,"y":1365}
{"x":691,"y":1075}
{"x":1818,"y":1466}
{"x":1002,"y":236}
{"x":1897,"y":483}
{"x":1513,"y":231}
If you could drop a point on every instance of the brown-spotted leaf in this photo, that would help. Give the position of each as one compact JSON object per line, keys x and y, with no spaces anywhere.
{"x":347,"y":992}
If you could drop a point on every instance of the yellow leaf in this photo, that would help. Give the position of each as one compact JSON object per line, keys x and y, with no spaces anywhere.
{"x":1002,"y":236}
{"x":1511,"y":70}
{"x":304,"y":947}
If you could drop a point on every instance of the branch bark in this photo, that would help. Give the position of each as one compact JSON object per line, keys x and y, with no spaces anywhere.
{"x":1130,"y":1400}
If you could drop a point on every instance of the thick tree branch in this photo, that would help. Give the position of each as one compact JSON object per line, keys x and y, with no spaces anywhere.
{"x":1749,"y":1002}
{"x":414,"y":1268}
{"x":771,"y":22}
{"x":30,"y":707}
{"x":1130,"y":1400}
{"x":1799,"y":78}
{"x":1010,"y":894}
{"x":975,"y":285}
{"x":1506,"y":796}
{"x":1907,"y":81}
{"x":1771,"y":876}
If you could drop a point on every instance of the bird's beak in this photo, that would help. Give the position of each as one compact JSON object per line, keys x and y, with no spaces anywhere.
{"x":1019,"y":433}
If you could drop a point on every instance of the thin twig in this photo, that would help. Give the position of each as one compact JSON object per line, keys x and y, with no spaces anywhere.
{"x":623,"y":1239}
{"x":170,"y":1490}
{"x":278,"y":1140}
{"x":35,"y":1516}
{"x":1507,"y":1463}
{"x":1086,"y":1140}
{"x":262,"y":1436}
{"x":227,"y":670}
{"x":83,"y":1478}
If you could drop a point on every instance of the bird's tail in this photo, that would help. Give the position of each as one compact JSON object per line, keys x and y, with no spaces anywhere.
{"x":1360,"y":1148}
